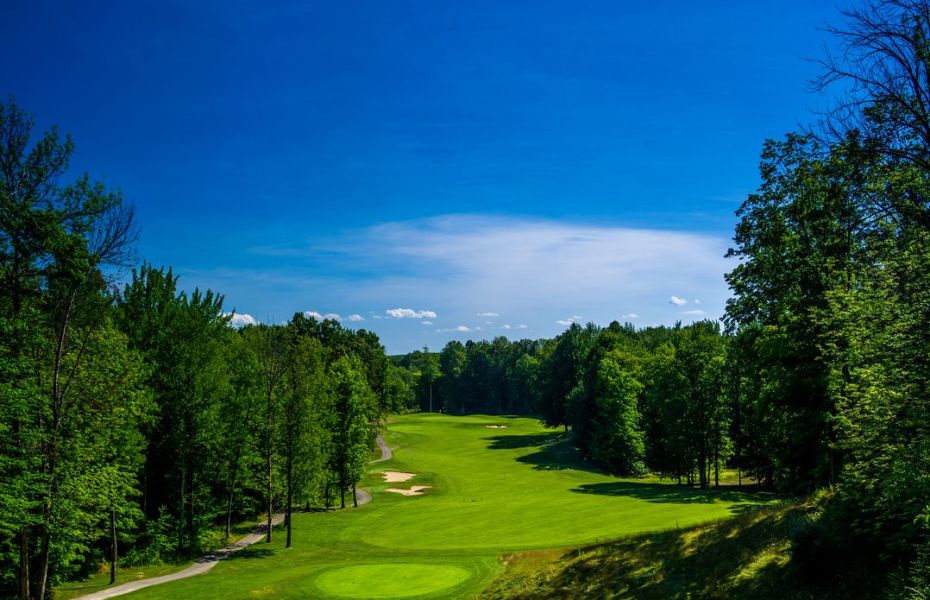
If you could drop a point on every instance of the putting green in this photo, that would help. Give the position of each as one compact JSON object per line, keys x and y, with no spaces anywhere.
{"x":390,"y":580}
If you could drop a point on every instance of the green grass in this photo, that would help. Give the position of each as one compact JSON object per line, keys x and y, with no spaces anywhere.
{"x":748,"y":557}
{"x":495,"y":491}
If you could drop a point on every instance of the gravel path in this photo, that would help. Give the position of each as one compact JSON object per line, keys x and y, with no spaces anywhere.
{"x":208,"y":562}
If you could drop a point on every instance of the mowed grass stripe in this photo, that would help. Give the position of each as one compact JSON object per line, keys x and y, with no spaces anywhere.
{"x":494,"y":491}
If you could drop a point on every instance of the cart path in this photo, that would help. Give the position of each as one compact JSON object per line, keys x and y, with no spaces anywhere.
{"x":209,"y":561}
{"x":202,"y":565}
{"x":386,"y":453}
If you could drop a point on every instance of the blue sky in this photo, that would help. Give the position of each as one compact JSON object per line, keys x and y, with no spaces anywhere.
{"x":439,"y":170}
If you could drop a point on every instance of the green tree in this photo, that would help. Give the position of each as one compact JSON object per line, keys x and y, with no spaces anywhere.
{"x":618,"y":439}
{"x":54,"y":241}
{"x":300,"y":434}
{"x":350,"y":429}
{"x":270,"y":344}
{"x":184,"y":340}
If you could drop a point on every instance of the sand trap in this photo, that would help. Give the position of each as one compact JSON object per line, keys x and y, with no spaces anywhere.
{"x":496,"y":426}
{"x":397,"y":476}
{"x":415,"y":490}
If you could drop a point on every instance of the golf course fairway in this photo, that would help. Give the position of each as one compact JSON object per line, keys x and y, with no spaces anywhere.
{"x":498,"y":484}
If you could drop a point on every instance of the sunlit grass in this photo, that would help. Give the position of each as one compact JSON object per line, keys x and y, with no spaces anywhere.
{"x":494,"y":491}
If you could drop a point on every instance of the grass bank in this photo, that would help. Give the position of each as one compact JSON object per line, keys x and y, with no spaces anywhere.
{"x":747,"y":557}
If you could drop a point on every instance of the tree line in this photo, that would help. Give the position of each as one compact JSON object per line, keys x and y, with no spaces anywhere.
{"x":136,"y":425}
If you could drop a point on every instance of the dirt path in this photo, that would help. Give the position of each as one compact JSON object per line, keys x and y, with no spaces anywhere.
{"x":208,"y":562}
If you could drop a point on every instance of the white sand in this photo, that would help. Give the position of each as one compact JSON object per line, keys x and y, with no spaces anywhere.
{"x":397,"y":476}
{"x":496,"y":426}
{"x":415,"y":490}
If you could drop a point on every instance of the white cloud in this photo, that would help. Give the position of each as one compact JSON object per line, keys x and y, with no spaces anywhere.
{"x":409,"y":313}
{"x":459,"y":329}
{"x":506,"y":327}
{"x":630,"y":316}
{"x":427,"y":322}
{"x":238,"y":320}
{"x":530,"y":267}
{"x":355,"y":317}
{"x":327,"y":317}
{"x":488,"y":314}
{"x":695,"y":312}
{"x":696,"y":301}
{"x":677,"y":301}
{"x":565,"y":321}
{"x":521,"y":326}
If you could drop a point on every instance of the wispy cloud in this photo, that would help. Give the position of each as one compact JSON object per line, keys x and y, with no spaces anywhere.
{"x":565,"y":322}
{"x":459,"y":329}
{"x":355,"y":317}
{"x":426,"y":322}
{"x":409,"y":313}
{"x":488,"y":314}
{"x":694,"y":313}
{"x":630,"y":316}
{"x":677,"y":301}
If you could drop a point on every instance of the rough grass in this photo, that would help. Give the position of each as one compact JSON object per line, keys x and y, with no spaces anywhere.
{"x":494,"y":491}
{"x":746,"y":557}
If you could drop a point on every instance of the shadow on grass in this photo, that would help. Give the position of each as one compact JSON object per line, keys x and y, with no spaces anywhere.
{"x":250,"y":553}
{"x":555,"y":451}
{"x":527,"y":440}
{"x":746,"y":557}
{"x":677,"y":494}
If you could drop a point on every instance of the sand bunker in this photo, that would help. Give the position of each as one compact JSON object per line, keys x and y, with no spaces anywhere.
{"x":415,"y":490}
{"x":496,"y":426}
{"x":397,"y":476}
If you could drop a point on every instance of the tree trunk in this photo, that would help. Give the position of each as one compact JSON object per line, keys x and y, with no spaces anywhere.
{"x":42,"y":579}
{"x":191,"y":530}
{"x":235,"y":471}
{"x":229,"y":500}
{"x":24,"y":564}
{"x":268,"y":450}
{"x":354,"y":496}
{"x":181,"y":512}
{"x":115,"y":548}
{"x":270,"y":512}
{"x":290,"y":496}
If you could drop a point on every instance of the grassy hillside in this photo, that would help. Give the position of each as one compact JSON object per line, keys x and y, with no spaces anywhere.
{"x":746,"y":557}
{"x":495,"y":490}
